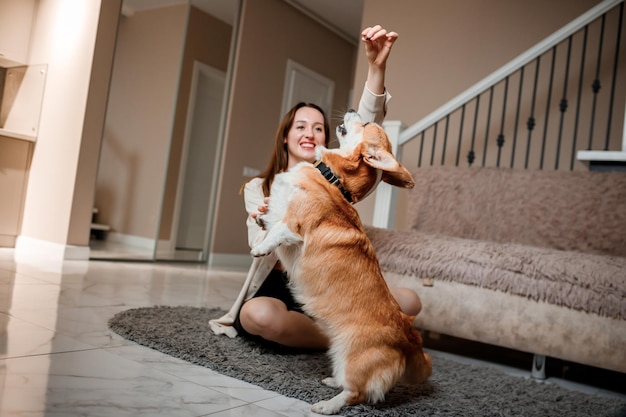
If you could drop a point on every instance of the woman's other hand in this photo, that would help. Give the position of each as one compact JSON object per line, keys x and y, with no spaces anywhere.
{"x":262,"y":210}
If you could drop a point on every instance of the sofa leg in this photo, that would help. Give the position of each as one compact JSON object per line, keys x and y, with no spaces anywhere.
{"x":538,"y":370}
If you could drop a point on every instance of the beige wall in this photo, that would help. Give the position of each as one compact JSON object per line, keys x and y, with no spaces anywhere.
{"x":60,"y":185}
{"x":95,"y":110}
{"x":271,"y":33}
{"x":16,"y":18}
{"x":139,"y":121}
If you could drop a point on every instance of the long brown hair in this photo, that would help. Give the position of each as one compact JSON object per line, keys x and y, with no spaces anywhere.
{"x":280,"y":156}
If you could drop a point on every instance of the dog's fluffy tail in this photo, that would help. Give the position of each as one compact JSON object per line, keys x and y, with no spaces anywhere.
{"x":419,"y":365}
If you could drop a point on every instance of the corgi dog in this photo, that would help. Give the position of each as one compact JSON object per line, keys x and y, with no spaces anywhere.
{"x":334,"y":272}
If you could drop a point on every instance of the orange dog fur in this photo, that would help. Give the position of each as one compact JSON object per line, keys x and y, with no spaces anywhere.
{"x":333,"y":269}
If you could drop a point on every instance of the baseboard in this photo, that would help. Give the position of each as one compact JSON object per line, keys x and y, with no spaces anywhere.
{"x":164,"y":247}
{"x":131,"y":240}
{"x":229,"y":260}
{"x":7,"y":241}
{"x":28,"y":249}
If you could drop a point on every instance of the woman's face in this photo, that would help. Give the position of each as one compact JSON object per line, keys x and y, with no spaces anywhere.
{"x":306,"y":132}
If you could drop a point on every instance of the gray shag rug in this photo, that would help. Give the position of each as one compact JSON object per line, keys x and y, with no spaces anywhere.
{"x":454,"y":389}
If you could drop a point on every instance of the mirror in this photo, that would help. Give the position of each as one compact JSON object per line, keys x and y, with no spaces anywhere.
{"x":163,"y":130}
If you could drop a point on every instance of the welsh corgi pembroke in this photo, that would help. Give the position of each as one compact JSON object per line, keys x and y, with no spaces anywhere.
{"x":334,"y":272}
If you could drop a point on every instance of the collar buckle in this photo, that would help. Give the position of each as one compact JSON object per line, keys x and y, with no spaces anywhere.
{"x":332,"y":178}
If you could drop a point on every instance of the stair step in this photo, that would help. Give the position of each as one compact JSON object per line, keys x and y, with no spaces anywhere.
{"x":103,"y":227}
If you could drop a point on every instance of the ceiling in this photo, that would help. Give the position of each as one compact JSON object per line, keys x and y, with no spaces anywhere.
{"x":343,"y":17}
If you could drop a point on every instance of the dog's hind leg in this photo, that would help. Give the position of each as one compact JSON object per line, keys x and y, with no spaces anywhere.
{"x":335,"y":404}
{"x":348,"y":396}
{"x":331,"y":382}
{"x":279,"y":234}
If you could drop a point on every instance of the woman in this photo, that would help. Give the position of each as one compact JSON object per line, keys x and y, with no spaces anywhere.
{"x":265,"y":307}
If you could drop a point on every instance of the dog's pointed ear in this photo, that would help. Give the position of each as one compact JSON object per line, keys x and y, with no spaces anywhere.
{"x":393,"y":172}
{"x":400,"y":178}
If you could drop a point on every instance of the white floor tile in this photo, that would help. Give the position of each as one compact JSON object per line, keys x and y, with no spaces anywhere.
{"x":23,"y":339}
{"x":96,"y":382}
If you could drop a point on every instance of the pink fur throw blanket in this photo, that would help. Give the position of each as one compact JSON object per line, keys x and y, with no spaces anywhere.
{"x":558,"y":237}
{"x":570,"y":210}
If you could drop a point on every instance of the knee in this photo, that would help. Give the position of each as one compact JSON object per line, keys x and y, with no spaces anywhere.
{"x":261,"y":319}
{"x":409,"y":301}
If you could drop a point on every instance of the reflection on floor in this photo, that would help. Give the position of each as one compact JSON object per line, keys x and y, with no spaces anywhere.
{"x":58,"y":358}
{"x":102,"y":249}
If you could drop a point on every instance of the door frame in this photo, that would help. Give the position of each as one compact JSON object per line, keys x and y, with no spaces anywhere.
{"x":295,"y":75}
{"x":211,"y":72}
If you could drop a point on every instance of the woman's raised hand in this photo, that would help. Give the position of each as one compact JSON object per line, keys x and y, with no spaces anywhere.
{"x":378,"y":44}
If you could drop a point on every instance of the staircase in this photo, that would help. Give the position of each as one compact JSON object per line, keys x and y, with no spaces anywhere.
{"x":98,"y":230}
{"x":557,"y":106}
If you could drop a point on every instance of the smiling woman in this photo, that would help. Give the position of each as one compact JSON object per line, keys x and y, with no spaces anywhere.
{"x":308,"y":130}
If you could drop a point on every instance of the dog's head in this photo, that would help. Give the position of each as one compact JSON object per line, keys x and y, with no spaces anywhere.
{"x":370,"y":142}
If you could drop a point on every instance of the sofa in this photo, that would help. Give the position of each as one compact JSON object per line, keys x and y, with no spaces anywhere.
{"x":524,"y":259}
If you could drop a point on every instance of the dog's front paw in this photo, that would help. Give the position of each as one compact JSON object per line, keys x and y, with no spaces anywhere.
{"x":325,"y":407}
{"x":258,"y":251}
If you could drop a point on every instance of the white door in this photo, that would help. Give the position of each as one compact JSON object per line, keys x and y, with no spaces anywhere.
{"x":205,"y":110}
{"x":304,"y":84}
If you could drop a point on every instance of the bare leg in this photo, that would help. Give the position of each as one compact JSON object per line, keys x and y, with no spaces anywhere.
{"x":269,"y":318}
{"x":408,"y":299}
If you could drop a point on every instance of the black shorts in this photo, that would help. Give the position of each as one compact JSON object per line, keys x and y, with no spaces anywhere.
{"x":276,"y":285}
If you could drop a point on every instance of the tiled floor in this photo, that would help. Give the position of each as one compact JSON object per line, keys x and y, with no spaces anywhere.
{"x":58,"y":357}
